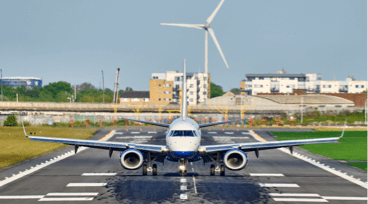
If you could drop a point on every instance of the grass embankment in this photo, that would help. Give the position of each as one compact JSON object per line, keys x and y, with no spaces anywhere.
{"x":353,"y":146}
{"x":15,"y":147}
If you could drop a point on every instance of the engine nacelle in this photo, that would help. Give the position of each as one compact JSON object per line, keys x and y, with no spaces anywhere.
{"x":131,"y":159}
{"x":235,"y":159}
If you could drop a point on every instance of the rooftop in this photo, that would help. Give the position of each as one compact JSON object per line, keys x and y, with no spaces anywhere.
{"x":135,"y":94}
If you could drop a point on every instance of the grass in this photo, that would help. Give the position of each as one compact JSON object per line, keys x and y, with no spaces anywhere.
{"x":353,"y":146}
{"x":362,"y":165}
{"x":15,"y":147}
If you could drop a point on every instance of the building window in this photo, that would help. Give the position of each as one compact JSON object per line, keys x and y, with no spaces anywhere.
{"x":204,"y":93}
{"x":329,"y":86}
{"x":191,"y":93}
{"x":362,"y":86}
{"x":167,"y":92}
{"x":167,"y":85}
{"x":356,"y":86}
{"x":205,"y":78}
{"x":204,"y":86}
{"x":177,"y":78}
{"x":159,"y":99}
{"x":291,"y":78}
{"x":177,"y":86}
{"x":125,"y":99}
{"x":261,"y":86}
{"x":159,"y":92}
{"x":159,"y":85}
{"x":155,"y":77}
{"x":191,"y":100}
{"x":261,"y":78}
{"x":167,"y":99}
{"x":287,"y":86}
{"x":191,"y":86}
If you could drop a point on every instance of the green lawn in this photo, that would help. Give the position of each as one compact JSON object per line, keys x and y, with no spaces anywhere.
{"x":358,"y":164}
{"x":353,"y":146}
{"x":15,"y":147}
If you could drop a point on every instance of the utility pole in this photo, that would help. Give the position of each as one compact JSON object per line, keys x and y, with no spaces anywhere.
{"x":301,"y":110}
{"x":2,"y":96}
{"x":116,"y":87}
{"x":103,"y":88}
{"x":75,"y":93}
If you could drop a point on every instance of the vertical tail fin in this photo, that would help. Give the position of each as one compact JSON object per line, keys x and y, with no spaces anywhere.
{"x":184,"y":98}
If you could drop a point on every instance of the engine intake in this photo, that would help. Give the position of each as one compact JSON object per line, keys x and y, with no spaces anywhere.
{"x":235,"y":159}
{"x":131,"y":159}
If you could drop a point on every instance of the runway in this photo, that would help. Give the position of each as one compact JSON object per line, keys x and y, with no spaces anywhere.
{"x":92,"y":177}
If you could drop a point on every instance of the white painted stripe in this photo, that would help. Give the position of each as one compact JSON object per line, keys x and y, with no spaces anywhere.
{"x":67,"y":199}
{"x":135,"y":132}
{"x":183,"y":196}
{"x":152,"y":132}
{"x":333,"y":171}
{"x":22,"y":197}
{"x":183,"y":180}
{"x":229,"y":133}
{"x":195,"y":187}
{"x":301,"y":200}
{"x":211,"y":132}
{"x":343,"y":198}
{"x":72,"y":194}
{"x":183,"y":187}
{"x":245,"y":133}
{"x":265,"y":174}
{"x":226,"y":137}
{"x":295,"y":194}
{"x":38,"y":167}
{"x":289,"y":185}
{"x":99,"y":174}
{"x":119,"y":133}
{"x":135,"y":137}
{"x":86,"y":184}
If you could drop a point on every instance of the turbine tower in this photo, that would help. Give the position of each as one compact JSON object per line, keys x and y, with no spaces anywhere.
{"x":206,"y":27}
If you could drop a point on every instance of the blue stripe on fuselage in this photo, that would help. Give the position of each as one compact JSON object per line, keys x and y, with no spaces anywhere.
{"x":182,"y":154}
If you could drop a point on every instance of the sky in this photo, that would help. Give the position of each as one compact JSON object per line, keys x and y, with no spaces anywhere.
{"x":73,"y":41}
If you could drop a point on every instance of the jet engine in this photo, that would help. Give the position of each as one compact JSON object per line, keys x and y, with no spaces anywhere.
{"x":235,"y":159}
{"x":131,"y":159}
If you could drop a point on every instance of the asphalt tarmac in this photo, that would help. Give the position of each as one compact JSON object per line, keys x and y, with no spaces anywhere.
{"x":91,"y":176}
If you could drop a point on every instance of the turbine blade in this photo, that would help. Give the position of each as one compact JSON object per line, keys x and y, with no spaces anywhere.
{"x":209,"y":19}
{"x":198,"y":26}
{"x":217,"y":45}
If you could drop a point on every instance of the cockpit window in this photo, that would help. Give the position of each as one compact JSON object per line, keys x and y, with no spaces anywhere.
{"x":184,"y":133}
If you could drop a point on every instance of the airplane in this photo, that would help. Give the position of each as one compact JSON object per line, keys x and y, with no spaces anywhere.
{"x":183,"y":146}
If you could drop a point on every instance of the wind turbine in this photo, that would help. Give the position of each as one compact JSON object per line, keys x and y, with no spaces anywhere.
{"x":206,"y":27}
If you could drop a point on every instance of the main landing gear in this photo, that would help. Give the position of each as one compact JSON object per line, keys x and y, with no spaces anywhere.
{"x":219,"y":167}
{"x":152,"y":169}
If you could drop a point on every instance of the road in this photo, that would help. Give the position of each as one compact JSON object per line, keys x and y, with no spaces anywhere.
{"x":91,"y":176}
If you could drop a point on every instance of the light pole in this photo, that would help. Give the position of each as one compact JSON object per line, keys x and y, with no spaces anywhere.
{"x":2,"y":85}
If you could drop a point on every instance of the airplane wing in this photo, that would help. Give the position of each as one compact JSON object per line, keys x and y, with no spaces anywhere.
{"x":147,"y":122}
{"x":218,"y":123}
{"x":109,"y":145}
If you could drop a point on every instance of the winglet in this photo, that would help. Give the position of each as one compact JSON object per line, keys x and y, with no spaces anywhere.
{"x":343,"y":130}
{"x":24,"y":129}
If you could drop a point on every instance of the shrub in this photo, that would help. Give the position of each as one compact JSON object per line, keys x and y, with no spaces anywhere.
{"x":11,"y":120}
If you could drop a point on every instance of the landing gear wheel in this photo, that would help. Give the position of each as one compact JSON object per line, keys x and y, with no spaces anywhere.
{"x":144,"y":169}
{"x":212,"y":170}
{"x":222,"y":168}
{"x":154,"y":170}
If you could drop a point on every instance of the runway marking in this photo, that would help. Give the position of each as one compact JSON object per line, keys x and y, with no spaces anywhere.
{"x":22,"y":197}
{"x":183,"y":196}
{"x":300,"y":200}
{"x":245,"y":133}
{"x":295,"y":194}
{"x":183,"y":187}
{"x":195,"y":187}
{"x":135,"y":132}
{"x":59,"y":158}
{"x":288,"y":185}
{"x":99,"y":174}
{"x":67,"y":199}
{"x":183,"y":180}
{"x":152,"y":132}
{"x":343,"y":198}
{"x":211,"y":132}
{"x":261,"y":174}
{"x":72,"y":194}
{"x":119,"y":133}
{"x":315,"y":163}
{"x":86,"y":184}
{"x":229,"y":133}
{"x":223,"y":137}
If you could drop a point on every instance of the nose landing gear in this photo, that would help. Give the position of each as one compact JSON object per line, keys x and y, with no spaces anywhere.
{"x":182,"y":167}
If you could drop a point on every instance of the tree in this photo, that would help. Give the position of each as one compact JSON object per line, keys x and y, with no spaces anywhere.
{"x":216,"y":90}
{"x":11,"y":120}
{"x":88,"y":99}
{"x":364,"y":91}
{"x":128,"y":88}
{"x":235,"y":89}
{"x":107,"y":99}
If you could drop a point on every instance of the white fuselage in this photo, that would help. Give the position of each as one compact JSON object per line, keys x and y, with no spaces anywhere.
{"x":183,"y":138}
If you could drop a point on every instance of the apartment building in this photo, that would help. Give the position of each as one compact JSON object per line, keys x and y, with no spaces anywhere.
{"x":283,"y":82}
{"x":197,"y":87}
